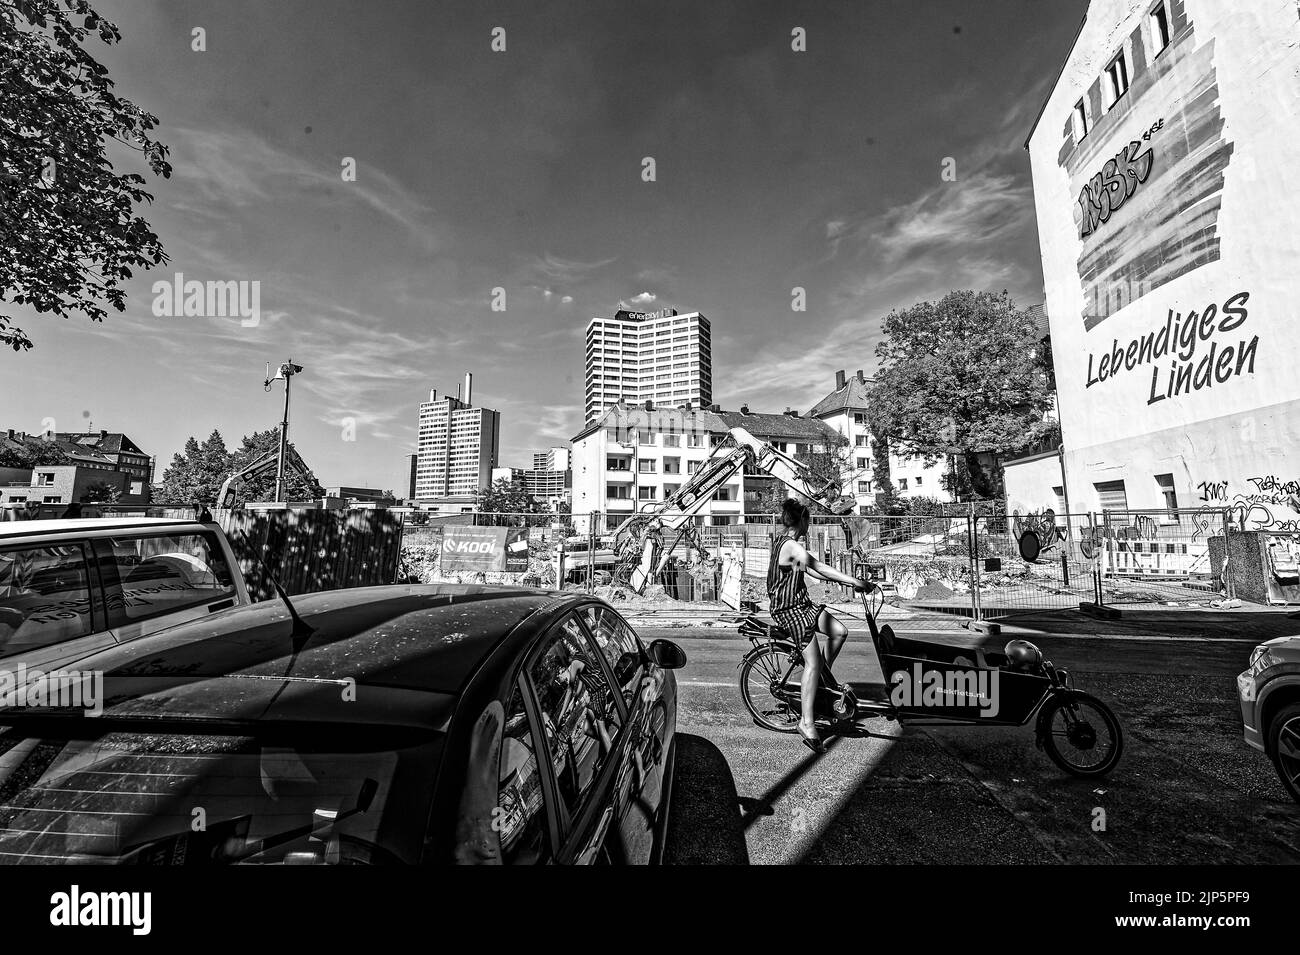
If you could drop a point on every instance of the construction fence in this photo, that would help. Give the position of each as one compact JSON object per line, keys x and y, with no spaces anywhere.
{"x":977,"y":563}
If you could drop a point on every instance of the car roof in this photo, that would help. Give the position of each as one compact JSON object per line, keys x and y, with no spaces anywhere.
{"x":405,"y":640}
{"x":72,"y":525}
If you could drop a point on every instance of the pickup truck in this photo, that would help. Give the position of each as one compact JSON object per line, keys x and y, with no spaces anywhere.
{"x":71,"y":587}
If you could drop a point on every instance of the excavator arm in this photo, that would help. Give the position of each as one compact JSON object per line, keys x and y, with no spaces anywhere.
{"x":229,"y":494}
{"x":639,"y":541}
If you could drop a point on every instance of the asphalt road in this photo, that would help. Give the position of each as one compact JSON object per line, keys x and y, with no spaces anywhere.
{"x":1188,"y":789}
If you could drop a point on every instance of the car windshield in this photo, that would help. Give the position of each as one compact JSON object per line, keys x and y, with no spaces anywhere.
{"x":72,"y":792}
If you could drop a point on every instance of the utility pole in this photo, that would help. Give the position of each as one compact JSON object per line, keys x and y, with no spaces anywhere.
{"x":285,"y":371}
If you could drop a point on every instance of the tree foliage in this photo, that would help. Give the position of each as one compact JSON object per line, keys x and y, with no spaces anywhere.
{"x":101,"y":492}
{"x":962,"y":376}
{"x":33,"y":454}
{"x":69,"y":234}
{"x":197,"y":472}
{"x":509,"y":501}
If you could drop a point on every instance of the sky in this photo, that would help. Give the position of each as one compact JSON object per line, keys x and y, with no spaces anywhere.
{"x":523,"y":170}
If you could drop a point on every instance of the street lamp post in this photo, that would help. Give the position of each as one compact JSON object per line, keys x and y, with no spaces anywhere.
{"x":285,"y":371}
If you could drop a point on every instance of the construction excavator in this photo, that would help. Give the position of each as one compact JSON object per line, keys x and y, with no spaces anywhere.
{"x":229,"y":495}
{"x":639,"y":541}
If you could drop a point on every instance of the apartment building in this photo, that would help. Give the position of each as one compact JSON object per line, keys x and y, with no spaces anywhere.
{"x":102,"y":465}
{"x":636,"y":458}
{"x":1162,"y":162}
{"x":457,"y":446}
{"x":659,"y":356}
{"x":845,"y":410}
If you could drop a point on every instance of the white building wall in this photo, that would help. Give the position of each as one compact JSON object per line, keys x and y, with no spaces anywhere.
{"x":1192,"y":229}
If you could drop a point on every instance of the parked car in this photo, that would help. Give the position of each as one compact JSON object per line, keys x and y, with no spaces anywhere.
{"x":394,"y":724}
{"x":1270,"y":706}
{"x":72,"y":587}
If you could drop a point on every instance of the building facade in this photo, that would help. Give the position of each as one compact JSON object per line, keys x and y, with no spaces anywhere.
{"x":456,"y":449}
{"x":100,"y":466}
{"x":636,"y":357}
{"x":1161,"y":169}
{"x":636,"y":458}
{"x":845,"y":410}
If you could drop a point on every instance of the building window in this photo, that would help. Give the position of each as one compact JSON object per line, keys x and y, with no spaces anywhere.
{"x":645,"y":493}
{"x":670,"y":490}
{"x":645,"y":437}
{"x":860,"y":441}
{"x":692,"y":467}
{"x":1060,"y":499}
{"x":672,"y":441}
{"x":695,"y":440}
{"x":902,"y":484}
{"x":1159,"y":29}
{"x":1080,"y":120}
{"x":727,"y":493}
{"x":618,"y":492}
{"x":862,"y":463}
{"x":859,"y":417}
{"x":864,"y":487}
{"x":45,"y":479}
{"x":646,"y":466}
{"x":618,"y":464}
{"x":1166,"y":484}
{"x":1118,"y":73}
{"x":1111,"y":495}
{"x":53,"y":500}
{"x":672,"y":465}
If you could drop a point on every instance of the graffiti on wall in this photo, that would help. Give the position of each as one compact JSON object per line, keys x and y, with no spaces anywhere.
{"x":1263,"y":505}
{"x":1169,"y":226}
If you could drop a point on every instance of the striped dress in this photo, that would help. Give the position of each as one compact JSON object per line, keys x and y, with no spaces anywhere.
{"x":788,"y":600}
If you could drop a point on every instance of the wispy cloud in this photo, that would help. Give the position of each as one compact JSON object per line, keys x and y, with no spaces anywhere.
{"x":563,"y":271}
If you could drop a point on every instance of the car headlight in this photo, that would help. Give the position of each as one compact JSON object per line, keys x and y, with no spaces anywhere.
{"x":1258,"y":652}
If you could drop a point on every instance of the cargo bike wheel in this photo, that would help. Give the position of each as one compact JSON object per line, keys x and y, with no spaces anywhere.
{"x":1080,"y":734}
{"x":773,"y":704}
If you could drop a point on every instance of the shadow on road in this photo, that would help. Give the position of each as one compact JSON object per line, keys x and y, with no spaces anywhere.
{"x":706,"y":825}
{"x":1246,"y":624}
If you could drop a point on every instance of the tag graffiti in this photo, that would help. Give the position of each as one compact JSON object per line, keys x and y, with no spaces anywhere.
{"x":1113,"y":186}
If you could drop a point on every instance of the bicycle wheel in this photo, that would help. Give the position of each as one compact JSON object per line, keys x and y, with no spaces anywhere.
{"x":1082,"y":735}
{"x":773,"y":705}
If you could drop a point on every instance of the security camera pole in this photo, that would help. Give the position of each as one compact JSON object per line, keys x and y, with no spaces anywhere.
{"x":285,"y":371}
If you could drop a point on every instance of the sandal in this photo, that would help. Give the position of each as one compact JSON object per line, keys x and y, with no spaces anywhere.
{"x":813,"y":742}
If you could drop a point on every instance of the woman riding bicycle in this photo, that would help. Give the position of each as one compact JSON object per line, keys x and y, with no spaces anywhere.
{"x":796,"y":614}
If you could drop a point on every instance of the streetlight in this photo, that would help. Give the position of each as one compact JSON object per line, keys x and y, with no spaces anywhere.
{"x":285,"y":371}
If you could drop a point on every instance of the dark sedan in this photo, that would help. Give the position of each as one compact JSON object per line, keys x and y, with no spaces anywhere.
{"x":405,"y":724}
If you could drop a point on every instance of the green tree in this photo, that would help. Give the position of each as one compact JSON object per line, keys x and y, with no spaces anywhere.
{"x":962,"y":376}
{"x":70,"y":234}
{"x":33,"y":454}
{"x":507,"y":501}
{"x":196,"y":473}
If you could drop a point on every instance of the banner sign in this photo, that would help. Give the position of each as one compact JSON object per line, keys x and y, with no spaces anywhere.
{"x":473,"y":548}
{"x":516,"y":553}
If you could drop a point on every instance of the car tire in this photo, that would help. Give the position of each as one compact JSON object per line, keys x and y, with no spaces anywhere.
{"x":1284,"y":747}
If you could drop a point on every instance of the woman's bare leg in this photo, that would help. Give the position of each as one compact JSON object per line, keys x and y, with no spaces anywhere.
{"x":834,"y":632}
{"x":812,"y":673}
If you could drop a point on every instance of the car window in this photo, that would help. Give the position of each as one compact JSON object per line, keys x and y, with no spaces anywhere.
{"x":149,"y":576}
{"x":520,"y":819}
{"x":44,"y":596}
{"x":578,"y":710}
{"x":620,"y":647}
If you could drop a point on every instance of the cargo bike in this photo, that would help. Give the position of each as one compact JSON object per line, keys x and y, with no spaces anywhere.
{"x":934,"y":684}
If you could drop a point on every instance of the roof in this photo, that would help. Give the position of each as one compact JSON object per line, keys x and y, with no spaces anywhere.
{"x":427,"y":638}
{"x":852,"y":396}
{"x":112,"y":442}
{"x":781,"y":427}
{"x":60,"y":526}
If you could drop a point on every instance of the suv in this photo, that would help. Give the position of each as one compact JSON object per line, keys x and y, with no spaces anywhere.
{"x":1270,"y":706}
{"x":72,"y":587}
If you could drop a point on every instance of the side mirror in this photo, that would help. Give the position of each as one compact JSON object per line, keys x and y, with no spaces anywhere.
{"x":666,"y":654}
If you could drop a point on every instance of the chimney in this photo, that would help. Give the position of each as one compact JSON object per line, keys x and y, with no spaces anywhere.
{"x":861,"y":379}
{"x":744,"y":409}
{"x":102,"y":434}
{"x":839,"y":380}
{"x":433,"y":394}
{"x":11,"y":434}
{"x":649,"y":405}
{"x":469,"y":386}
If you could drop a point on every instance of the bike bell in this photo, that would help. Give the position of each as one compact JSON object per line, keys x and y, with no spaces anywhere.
{"x":1022,"y":654}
